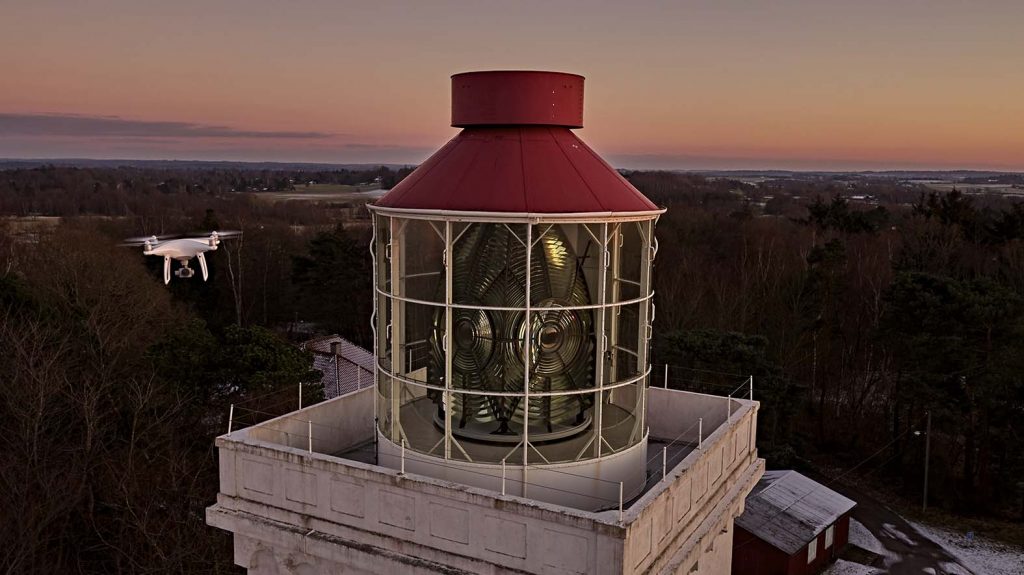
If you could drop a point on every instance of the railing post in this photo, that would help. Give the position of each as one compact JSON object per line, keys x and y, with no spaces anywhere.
{"x":751,"y":388}
{"x":503,"y":476}
{"x":666,"y":376}
{"x":664,"y":462}
{"x":402,"y":472}
{"x":300,"y":396}
{"x":728,"y":412}
{"x":231,"y":417}
{"x":310,"y":435}
{"x":620,"y":502}
{"x":700,"y":433}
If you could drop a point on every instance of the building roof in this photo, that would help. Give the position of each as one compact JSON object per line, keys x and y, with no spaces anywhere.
{"x":347,"y":371}
{"x":525,"y":169}
{"x":787,"y":510}
{"x":516,"y":153}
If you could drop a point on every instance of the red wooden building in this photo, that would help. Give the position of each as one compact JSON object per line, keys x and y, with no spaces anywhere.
{"x":791,"y":525}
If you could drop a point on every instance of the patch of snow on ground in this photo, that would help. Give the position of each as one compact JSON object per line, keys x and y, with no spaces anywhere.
{"x":982,"y":556}
{"x":955,"y":569}
{"x":843,"y":567}
{"x":861,"y":537}
{"x":894,"y":532}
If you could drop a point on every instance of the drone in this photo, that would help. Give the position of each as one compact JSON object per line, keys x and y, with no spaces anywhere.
{"x":182,"y":249}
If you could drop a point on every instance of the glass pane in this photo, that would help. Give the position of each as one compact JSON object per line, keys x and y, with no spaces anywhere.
{"x":629,"y":260}
{"x":624,"y":344}
{"x":384,"y":404}
{"x":560,"y":260}
{"x":489,"y":265}
{"x":422,"y":354}
{"x":382,"y":236}
{"x":618,"y":421}
{"x":383,"y":335}
{"x":421,"y":418}
{"x":423,"y":259}
{"x":577,"y":443}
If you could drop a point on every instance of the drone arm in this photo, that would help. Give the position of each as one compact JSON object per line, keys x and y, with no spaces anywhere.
{"x":202,"y":265}
{"x":167,"y":270}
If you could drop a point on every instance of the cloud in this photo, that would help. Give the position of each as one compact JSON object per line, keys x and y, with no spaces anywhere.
{"x":113,"y":126}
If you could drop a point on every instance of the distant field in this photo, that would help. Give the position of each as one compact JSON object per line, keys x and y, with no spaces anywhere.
{"x":975,"y":188}
{"x":323,"y":193}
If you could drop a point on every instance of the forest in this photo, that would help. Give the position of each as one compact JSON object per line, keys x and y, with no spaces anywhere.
{"x":859,"y":306}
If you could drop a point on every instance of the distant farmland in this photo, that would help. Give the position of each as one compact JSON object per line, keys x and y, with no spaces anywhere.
{"x":324,"y":193}
{"x":973,"y":188}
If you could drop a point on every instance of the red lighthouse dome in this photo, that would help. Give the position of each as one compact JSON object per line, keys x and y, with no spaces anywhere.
{"x":517,"y":153}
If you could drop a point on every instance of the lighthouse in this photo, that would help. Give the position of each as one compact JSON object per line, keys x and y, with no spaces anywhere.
{"x":512,"y":423}
{"x":514,"y":301}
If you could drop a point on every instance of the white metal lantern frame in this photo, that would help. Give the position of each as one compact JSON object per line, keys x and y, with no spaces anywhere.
{"x":414,"y":275}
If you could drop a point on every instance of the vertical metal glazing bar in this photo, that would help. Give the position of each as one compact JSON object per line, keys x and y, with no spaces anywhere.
{"x":620,"y":501}
{"x":644,"y":323}
{"x":602,"y":340}
{"x":379,"y":318}
{"x":373,"y":320}
{"x":397,"y":317}
{"x":615,"y":238}
{"x":528,"y":337}
{"x":448,"y":348}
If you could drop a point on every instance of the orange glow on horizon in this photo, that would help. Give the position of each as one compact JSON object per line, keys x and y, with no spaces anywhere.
{"x":695,"y":85}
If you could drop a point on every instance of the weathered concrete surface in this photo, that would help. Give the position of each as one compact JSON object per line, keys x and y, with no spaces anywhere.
{"x":293,"y":511}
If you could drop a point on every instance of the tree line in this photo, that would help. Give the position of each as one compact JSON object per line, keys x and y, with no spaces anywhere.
{"x":854,"y":317}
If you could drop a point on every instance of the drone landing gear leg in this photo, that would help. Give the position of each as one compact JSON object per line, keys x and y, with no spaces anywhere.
{"x":202,"y":265}
{"x":167,"y":270}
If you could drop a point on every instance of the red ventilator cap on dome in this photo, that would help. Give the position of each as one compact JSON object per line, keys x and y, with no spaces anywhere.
{"x":517,"y":98}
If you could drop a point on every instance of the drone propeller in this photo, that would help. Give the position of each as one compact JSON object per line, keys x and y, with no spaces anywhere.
{"x":216,"y":236}
{"x":143,"y":240}
{"x":221,"y":233}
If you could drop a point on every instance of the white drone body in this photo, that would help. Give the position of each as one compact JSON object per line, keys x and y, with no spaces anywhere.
{"x":183,"y":250}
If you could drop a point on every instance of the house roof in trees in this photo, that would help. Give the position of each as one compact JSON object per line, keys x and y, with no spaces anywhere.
{"x":345,"y":370}
{"x":787,"y":510}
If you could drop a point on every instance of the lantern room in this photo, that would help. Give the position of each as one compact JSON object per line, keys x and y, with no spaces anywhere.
{"x":514,"y":303}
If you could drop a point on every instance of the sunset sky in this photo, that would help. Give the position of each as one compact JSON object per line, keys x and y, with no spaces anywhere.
{"x":791,"y":84}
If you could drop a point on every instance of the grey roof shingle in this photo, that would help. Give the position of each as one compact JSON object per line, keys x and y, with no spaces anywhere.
{"x":787,"y":510}
{"x":349,"y":370}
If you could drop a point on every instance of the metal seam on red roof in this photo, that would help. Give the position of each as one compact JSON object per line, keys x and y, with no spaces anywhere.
{"x":426,"y":168}
{"x":577,"y":170}
{"x":466,"y":172}
{"x":615,"y":173}
{"x":522,"y":170}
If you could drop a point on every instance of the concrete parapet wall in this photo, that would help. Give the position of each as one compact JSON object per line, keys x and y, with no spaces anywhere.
{"x":706,"y":489}
{"x":337,"y":425}
{"x":287,"y":505}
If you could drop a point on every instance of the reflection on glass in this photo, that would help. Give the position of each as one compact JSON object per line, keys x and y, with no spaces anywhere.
{"x":522,"y":361}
